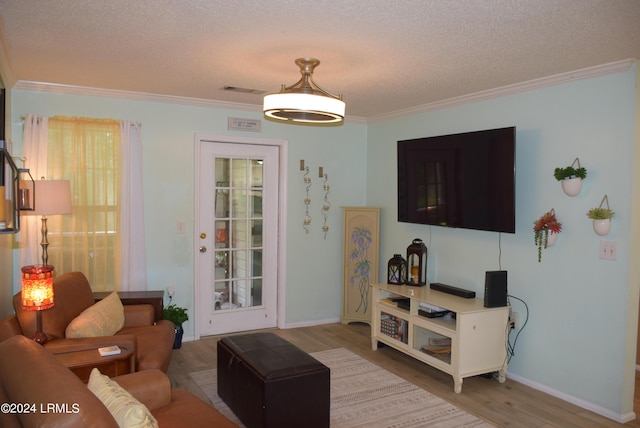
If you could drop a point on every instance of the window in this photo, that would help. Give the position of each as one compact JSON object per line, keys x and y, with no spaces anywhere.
{"x":86,"y":152}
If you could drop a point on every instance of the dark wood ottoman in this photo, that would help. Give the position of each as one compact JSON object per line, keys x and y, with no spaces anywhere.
{"x":268,"y":382}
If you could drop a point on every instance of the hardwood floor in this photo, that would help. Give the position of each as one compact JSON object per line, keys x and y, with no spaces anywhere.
{"x":507,"y":405}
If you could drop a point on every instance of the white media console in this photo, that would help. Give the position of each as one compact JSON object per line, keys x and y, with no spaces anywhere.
{"x":469,"y":340}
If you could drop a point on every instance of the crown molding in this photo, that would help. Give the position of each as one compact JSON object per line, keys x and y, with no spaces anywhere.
{"x":128,"y":95}
{"x":585,"y":73}
{"x":144,"y":96}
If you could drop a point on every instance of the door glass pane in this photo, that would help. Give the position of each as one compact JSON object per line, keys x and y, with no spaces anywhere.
{"x":257,"y":291}
{"x":221,"y":296}
{"x":239,"y":203}
{"x":256,"y":233}
{"x":256,"y":173}
{"x":255,"y":204}
{"x":238,"y":233}
{"x":222,"y":172}
{"x":239,"y":173}
{"x":256,"y":263}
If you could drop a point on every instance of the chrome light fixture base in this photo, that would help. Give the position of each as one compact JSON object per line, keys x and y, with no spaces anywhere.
{"x":305,"y":101}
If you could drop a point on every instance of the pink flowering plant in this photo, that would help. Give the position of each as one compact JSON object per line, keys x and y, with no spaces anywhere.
{"x":542,"y":227}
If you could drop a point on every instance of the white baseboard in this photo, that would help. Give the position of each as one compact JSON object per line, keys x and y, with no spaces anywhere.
{"x":312,"y":323}
{"x":618,"y":417}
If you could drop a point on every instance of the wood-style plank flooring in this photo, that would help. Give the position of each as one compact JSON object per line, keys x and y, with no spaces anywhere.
{"x":507,"y":405}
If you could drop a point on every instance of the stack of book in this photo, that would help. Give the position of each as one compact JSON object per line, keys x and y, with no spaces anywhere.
{"x":438,"y":347}
{"x":394,"y":327}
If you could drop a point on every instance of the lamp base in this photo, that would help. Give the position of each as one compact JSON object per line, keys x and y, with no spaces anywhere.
{"x":40,"y":337}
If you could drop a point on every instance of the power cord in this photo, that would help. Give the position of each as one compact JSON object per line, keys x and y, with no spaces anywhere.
{"x":511,"y":348}
{"x":499,"y":250}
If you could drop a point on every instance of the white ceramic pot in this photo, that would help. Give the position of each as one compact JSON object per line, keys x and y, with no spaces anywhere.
{"x":551,"y":239}
{"x":602,"y":227}
{"x":572,"y":186}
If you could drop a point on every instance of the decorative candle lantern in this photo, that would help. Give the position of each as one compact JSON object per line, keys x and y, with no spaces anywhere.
{"x":417,"y":263}
{"x":397,"y":270}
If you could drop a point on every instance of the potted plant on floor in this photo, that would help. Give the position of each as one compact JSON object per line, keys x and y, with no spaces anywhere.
{"x":546,"y":230}
{"x":571,"y":178}
{"x":177,"y":316}
{"x":601,"y":217}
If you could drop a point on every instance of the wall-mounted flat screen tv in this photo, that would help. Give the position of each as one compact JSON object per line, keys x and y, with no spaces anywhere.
{"x":461,"y":180}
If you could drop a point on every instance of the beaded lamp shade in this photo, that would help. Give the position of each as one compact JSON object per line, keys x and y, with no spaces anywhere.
{"x":37,"y":287}
{"x":37,"y":294}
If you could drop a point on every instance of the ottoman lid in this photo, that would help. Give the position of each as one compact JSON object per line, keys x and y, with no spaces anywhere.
{"x":271,"y":356}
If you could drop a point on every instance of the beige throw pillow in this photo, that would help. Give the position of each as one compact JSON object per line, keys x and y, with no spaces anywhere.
{"x":124,"y":407}
{"x":104,"y":318}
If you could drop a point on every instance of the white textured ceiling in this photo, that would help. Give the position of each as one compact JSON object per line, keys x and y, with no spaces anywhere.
{"x":382,"y":55}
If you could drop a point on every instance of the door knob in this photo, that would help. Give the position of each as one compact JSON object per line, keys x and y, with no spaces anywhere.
{"x":203,"y":249}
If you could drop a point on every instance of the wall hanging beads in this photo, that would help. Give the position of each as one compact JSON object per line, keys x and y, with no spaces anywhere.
{"x":307,"y":180}
{"x":326,"y":206}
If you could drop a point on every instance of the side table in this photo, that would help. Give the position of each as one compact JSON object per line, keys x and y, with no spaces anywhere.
{"x":153,"y":298}
{"x":82,"y":362}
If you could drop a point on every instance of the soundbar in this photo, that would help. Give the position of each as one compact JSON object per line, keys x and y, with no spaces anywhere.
{"x":450,"y":289}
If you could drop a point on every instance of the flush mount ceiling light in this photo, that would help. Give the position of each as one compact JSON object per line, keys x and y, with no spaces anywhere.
{"x":305,"y":101}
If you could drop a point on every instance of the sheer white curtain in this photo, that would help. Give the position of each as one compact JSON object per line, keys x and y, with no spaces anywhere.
{"x":34,"y":152}
{"x":130,"y":256}
{"x":133,"y":269}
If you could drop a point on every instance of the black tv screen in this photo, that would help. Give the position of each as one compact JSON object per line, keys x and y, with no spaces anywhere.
{"x":461,"y":180}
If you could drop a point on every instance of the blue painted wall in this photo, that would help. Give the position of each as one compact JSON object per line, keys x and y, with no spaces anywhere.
{"x":581,"y":308}
{"x":580,"y":336}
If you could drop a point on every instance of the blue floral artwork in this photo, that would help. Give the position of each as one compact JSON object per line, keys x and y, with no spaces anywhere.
{"x":361,"y":238}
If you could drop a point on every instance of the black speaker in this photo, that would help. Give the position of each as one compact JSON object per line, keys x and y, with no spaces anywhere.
{"x":495,"y":288}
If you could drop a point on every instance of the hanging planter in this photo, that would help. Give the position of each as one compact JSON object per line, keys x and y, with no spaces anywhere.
{"x":571,"y":177}
{"x":601,"y":217}
{"x":546,"y":230}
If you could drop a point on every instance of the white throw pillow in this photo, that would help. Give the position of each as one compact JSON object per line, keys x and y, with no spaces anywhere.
{"x":104,"y":318}
{"x":124,"y":407}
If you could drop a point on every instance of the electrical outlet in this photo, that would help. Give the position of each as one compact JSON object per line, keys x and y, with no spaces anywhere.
{"x":514,"y":321}
{"x":608,"y":250}
{"x":171,"y":290}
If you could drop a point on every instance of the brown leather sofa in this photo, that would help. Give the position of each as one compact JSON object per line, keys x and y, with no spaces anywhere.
{"x":39,"y":392}
{"x":153,"y":343}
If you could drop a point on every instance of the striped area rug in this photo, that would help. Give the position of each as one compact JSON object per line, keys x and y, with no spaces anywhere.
{"x":365,"y":395}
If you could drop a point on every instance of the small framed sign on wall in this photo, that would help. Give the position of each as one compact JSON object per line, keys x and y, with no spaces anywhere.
{"x":238,"y":124}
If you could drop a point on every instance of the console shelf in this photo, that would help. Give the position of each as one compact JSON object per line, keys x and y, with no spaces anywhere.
{"x":469,"y":340}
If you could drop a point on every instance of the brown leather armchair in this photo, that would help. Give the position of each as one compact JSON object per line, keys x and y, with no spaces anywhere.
{"x":33,"y":379}
{"x":152,"y":343}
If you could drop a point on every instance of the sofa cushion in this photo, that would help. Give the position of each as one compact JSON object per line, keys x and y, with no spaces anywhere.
{"x":72,"y":295}
{"x":104,"y":318}
{"x":126,"y":410}
{"x":155,"y":344}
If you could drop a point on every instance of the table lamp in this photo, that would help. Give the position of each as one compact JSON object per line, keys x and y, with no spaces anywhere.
{"x":52,"y":197}
{"x":37,"y":294}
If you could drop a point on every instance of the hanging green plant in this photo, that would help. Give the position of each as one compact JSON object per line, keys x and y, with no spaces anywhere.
{"x":543,"y":228}
{"x":571,"y":177}
{"x":569,"y":172}
{"x":600,"y":213}
{"x":601,"y":216}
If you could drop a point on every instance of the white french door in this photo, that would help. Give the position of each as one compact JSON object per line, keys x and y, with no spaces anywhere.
{"x":237,"y":237}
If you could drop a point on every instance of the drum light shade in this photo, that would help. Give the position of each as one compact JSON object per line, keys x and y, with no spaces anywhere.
{"x":305,"y":101}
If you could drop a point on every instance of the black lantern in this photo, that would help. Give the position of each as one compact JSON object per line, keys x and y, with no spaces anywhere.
{"x":417,"y":263}
{"x":397,"y":270}
{"x":26,"y":190}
